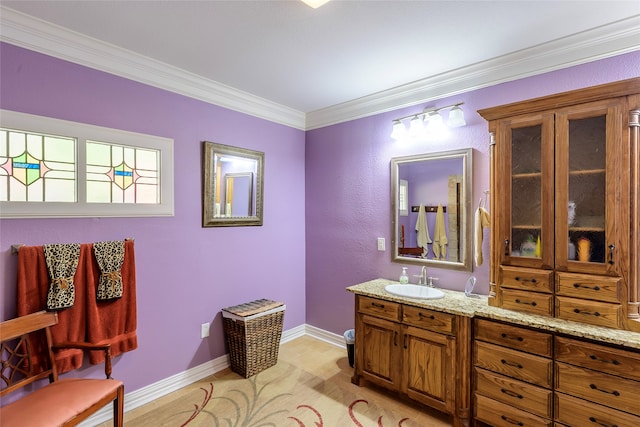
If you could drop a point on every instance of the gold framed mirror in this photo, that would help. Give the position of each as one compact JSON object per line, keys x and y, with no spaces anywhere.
{"x":233,"y":181}
{"x":431,"y":209}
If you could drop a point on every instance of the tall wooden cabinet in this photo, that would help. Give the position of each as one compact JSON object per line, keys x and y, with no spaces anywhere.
{"x":564,"y":205}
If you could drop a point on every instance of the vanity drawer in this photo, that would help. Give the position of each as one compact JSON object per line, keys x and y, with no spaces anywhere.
{"x":498,"y":414}
{"x":609,"y":390}
{"x":589,"y":287}
{"x":587,"y":311}
{"x":598,"y":357}
{"x":529,"y":302}
{"x":578,"y":413}
{"x":528,"y":340}
{"x":379,"y":308}
{"x":513,"y":392}
{"x":428,"y":319}
{"x":529,"y":279}
{"x":516,"y":364}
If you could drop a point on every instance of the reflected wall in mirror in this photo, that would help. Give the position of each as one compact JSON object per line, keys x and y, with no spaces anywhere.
{"x":238,"y":194}
{"x":439,"y":233}
{"x":232,"y":188}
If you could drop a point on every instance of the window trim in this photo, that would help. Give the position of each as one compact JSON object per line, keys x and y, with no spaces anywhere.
{"x":83,"y":132}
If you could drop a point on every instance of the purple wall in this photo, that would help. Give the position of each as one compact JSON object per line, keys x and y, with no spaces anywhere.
{"x":185,"y":273}
{"x":348,"y":187}
{"x":326,"y":201}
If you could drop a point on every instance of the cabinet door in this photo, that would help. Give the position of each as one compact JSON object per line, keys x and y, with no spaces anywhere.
{"x":381,"y":351}
{"x":428,"y":362}
{"x":589,"y":199}
{"x":526,"y":193}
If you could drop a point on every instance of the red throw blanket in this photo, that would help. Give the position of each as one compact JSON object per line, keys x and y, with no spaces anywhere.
{"x":88,"y":320}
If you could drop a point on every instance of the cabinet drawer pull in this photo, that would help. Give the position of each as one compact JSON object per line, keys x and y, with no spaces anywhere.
{"x":588,"y":313}
{"x":503,"y":335}
{"x":595,"y":387}
{"x":532,"y":303}
{"x":511,"y":393}
{"x":515,"y":365}
{"x":596,"y":358}
{"x":511,"y":420}
{"x":521,"y":279}
{"x":405,"y":341}
{"x":600,"y":423}
{"x":579,"y":285}
{"x":611,"y":248}
{"x":432,"y":317}
{"x":375,"y":304}
{"x":395,"y":339}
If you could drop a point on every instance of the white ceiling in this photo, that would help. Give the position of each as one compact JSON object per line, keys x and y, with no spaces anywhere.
{"x":343,"y":60}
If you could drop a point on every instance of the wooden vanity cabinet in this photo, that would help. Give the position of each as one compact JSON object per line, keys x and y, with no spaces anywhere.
{"x":513,"y":375}
{"x":564,"y":205}
{"x":596,"y":384}
{"x":429,"y":355}
{"x":377,"y":356}
{"x":413,"y":351}
{"x":530,"y":377}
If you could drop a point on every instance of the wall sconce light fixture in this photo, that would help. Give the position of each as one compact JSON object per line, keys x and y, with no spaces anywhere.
{"x":428,"y":122}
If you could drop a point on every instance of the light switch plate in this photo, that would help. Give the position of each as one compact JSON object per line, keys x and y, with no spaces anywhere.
{"x":381,"y":246}
{"x":204,"y":330}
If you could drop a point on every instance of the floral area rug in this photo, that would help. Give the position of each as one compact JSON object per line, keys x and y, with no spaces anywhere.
{"x":281,"y":396}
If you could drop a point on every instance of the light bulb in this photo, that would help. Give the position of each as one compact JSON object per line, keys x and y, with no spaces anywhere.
{"x":416,"y":128}
{"x":399,"y":131}
{"x":435,"y":126}
{"x":315,"y":3}
{"x":456,"y":117}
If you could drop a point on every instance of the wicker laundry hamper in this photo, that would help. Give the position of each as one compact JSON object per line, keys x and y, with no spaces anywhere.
{"x":253,"y":332}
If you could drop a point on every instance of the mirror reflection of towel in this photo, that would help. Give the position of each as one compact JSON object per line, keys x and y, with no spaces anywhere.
{"x":440,"y":239}
{"x":423,"y":231}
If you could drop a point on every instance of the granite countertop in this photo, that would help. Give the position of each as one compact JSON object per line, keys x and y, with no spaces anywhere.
{"x":458,"y":303}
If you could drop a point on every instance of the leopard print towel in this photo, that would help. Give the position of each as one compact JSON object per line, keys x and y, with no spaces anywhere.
{"x":110,"y":257}
{"x":62,"y":262}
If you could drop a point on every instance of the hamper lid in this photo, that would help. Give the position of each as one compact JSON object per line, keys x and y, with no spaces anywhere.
{"x":253,"y":307}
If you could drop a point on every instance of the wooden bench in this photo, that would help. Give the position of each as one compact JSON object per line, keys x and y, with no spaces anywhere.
{"x":61,"y":402}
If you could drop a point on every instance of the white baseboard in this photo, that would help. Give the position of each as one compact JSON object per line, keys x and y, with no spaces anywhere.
{"x":326,"y":336}
{"x":175,"y":382}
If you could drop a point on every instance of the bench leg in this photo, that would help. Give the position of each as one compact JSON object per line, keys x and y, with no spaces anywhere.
{"x":118,"y":408}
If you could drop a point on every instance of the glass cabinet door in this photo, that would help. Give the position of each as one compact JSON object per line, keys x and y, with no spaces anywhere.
{"x":527,"y":157}
{"x":587,"y":156}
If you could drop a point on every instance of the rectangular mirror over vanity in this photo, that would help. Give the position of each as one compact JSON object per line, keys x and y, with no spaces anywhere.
{"x":439,"y":184}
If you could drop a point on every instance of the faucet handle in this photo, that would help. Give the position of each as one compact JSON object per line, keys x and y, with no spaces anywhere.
{"x":419,"y":276}
{"x":431,"y":279}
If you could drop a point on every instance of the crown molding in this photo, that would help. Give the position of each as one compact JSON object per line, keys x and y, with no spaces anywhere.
{"x":598,"y":43}
{"x":34,"y":34}
{"x":44,"y":37}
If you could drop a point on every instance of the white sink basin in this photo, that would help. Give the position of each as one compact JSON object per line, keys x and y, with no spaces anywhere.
{"x":414,"y":291}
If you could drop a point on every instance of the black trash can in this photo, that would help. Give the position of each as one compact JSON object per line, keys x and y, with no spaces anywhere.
{"x":350,"y":339}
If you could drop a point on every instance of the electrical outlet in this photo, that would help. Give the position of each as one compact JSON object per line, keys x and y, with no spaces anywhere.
{"x":381,"y":244}
{"x":204,"y":330}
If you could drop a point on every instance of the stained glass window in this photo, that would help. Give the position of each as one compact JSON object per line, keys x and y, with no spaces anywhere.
{"x":57,"y":168}
{"x":122,"y":174}
{"x":36,"y":167}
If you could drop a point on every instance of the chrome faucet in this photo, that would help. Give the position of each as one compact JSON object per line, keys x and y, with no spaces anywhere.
{"x":423,"y":275}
